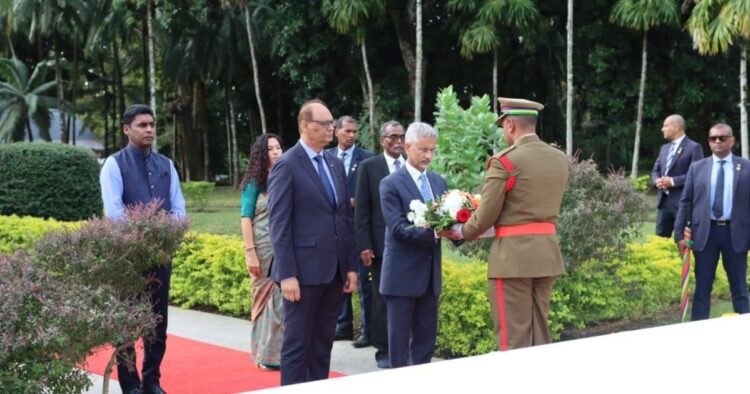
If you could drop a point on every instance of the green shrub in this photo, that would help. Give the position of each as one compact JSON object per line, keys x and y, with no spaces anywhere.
{"x":18,"y":233}
{"x":209,"y":271}
{"x":643,"y":183}
{"x":466,"y":139}
{"x":197,"y":194}
{"x":49,"y":181}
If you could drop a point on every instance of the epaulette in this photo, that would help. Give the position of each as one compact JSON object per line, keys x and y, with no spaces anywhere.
{"x":500,"y":157}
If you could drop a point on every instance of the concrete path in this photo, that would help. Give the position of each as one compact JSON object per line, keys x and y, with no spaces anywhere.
{"x":234,"y":333}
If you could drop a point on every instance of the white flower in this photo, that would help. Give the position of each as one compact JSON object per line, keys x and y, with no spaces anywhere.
{"x":410,"y":216}
{"x":453,"y":202}
{"x":418,"y":210}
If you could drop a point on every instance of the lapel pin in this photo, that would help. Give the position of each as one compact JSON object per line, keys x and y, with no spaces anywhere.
{"x":679,"y":150}
{"x":739,"y":167}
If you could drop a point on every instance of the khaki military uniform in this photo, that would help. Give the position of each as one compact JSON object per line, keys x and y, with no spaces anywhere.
{"x":522,"y":268}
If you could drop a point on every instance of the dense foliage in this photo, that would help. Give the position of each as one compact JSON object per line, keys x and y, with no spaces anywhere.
{"x":99,"y":52}
{"x":77,"y":289}
{"x":197,"y":194}
{"x":49,"y":181}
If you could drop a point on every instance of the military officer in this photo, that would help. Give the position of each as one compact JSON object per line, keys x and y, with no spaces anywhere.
{"x":521,"y":200}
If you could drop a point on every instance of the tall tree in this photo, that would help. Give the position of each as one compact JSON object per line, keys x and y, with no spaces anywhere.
{"x":419,"y":76}
{"x":23,"y":98}
{"x":151,"y":65}
{"x":643,"y":15}
{"x":482,"y":22}
{"x":569,"y":81}
{"x":715,"y":25}
{"x":351,"y":17}
{"x":254,"y":62}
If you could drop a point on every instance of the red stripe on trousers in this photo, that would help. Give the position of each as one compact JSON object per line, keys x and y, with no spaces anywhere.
{"x":501,"y":311}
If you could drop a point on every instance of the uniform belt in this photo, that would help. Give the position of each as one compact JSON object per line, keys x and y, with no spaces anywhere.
{"x":720,"y":222}
{"x":540,"y":228}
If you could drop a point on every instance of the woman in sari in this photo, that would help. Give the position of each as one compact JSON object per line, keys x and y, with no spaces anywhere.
{"x":267,"y":312}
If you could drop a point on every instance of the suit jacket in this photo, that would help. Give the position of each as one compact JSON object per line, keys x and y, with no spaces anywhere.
{"x":542,"y":173}
{"x":311,"y":240}
{"x":688,"y":152}
{"x":368,"y":217}
{"x":695,"y":200}
{"x":412,"y":255}
{"x":358,"y":155}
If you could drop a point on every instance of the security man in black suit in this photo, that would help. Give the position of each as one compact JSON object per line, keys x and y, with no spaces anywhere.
{"x":370,"y":225}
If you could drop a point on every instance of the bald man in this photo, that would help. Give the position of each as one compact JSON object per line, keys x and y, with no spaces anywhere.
{"x":670,"y":170}
{"x":312,"y":233}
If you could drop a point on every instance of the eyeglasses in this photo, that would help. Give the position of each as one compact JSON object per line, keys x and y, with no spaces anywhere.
{"x":720,"y":138}
{"x":395,"y":137}
{"x":324,"y":123}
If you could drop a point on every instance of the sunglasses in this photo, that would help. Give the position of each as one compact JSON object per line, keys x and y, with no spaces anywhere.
{"x":719,"y":138}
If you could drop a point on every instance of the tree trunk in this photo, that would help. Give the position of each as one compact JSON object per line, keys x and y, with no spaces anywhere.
{"x":152,"y":66}
{"x":74,"y":90}
{"x":144,"y":63}
{"x":493,"y":101}
{"x":119,"y":89}
{"x":60,"y":92}
{"x":370,"y":96}
{"x":256,"y":80}
{"x":418,"y":81}
{"x":639,"y":120}
{"x":229,"y":134}
{"x":743,"y":98}
{"x":235,"y":155}
{"x":406,"y":40}
{"x":28,"y":130}
{"x":569,"y":83}
{"x":200,"y":131}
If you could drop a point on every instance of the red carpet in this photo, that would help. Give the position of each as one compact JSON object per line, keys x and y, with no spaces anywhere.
{"x":197,"y":367}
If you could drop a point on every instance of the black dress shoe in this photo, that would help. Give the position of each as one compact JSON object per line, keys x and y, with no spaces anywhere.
{"x":362,"y":341}
{"x":155,"y":389}
{"x":383,"y":363}
{"x":343,"y":336}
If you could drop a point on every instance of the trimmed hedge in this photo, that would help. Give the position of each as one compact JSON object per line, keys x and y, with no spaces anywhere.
{"x":21,"y":232}
{"x":197,"y":193}
{"x":50,"y":181}
{"x":209,"y":272}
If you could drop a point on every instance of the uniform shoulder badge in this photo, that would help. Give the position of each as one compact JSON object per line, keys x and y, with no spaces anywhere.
{"x":506,"y":150}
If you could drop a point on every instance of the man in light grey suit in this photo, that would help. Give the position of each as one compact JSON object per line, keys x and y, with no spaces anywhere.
{"x":411,"y":276}
{"x":716,"y":205}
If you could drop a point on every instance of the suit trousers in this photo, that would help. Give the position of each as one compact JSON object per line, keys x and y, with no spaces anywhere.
{"x":378,"y":315}
{"x":412,"y":328}
{"x":154,"y":347}
{"x":706,"y":261}
{"x":308,"y":337}
{"x":519,"y":310}
{"x":345,"y":323}
{"x":665,"y":218}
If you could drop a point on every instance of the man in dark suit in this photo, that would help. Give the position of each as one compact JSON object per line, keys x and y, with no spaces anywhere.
{"x":351,"y":155}
{"x":370,"y":226}
{"x":311,"y":225}
{"x":670,"y":170}
{"x":411,"y":281}
{"x":716,"y":205}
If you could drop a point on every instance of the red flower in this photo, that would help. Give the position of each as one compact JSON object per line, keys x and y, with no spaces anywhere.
{"x":463,"y":215}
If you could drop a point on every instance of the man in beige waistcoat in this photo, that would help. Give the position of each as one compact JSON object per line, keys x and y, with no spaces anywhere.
{"x":521,"y":200}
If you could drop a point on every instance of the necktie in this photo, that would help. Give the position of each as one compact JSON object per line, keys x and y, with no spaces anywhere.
{"x":670,"y":156}
{"x":326,"y":182}
{"x":343,"y":158}
{"x":397,"y":164}
{"x":718,"y":208}
{"x":424,"y":188}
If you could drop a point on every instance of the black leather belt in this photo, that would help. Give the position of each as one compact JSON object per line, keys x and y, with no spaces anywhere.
{"x":721,"y":222}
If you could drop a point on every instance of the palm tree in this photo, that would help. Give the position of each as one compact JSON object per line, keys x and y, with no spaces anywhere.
{"x":486,"y":19}
{"x":351,"y":17}
{"x":53,"y":19}
{"x":642,"y":15}
{"x":715,"y":25}
{"x":24,"y":98}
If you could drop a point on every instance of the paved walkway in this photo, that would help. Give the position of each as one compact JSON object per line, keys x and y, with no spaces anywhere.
{"x":234,"y":333}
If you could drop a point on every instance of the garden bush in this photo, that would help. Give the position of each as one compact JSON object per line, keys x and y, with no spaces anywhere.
{"x":197,"y":194}
{"x":49,"y":181}
{"x":209,"y":271}
{"x":466,"y":139}
{"x":21,"y":232}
